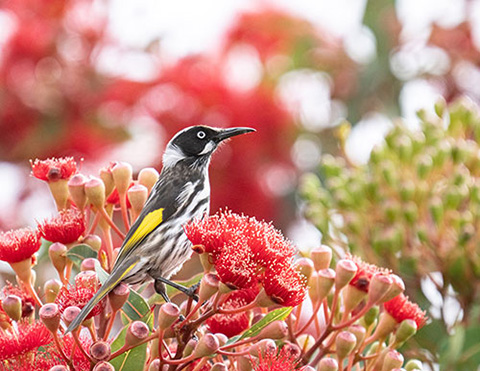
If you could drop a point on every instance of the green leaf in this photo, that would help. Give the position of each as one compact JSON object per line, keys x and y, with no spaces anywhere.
{"x":275,"y":315}
{"x":130,"y":360}
{"x":80,"y":252}
{"x":101,"y":273}
{"x":136,"y":309}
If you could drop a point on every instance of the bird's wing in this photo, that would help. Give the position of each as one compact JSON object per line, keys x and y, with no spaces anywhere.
{"x":159,"y":207}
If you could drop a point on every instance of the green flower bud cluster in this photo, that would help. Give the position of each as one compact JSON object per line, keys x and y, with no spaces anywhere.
{"x":414,"y":206}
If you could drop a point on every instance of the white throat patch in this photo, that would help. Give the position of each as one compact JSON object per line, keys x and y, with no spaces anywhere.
{"x":172,"y":155}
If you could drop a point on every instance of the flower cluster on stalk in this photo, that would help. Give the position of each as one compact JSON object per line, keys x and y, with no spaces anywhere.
{"x":247,"y":253}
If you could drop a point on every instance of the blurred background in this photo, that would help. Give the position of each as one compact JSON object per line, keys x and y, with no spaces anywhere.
{"x":114,"y":80}
{"x":109,"y":80}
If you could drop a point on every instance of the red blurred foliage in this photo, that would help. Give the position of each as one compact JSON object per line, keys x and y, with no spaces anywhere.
{"x":53,"y":98}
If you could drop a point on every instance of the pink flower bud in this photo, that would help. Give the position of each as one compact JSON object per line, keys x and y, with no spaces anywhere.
{"x":12,"y":305}
{"x":262,"y":347}
{"x":219,"y":367}
{"x":58,"y":368}
{"x":137,"y":195}
{"x":69,"y":314}
{"x":344,"y":344}
{"x":103,"y":366}
{"x":95,"y":191}
{"x":76,"y":188}
{"x":244,"y":363}
{"x":183,"y":310}
{"x":58,"y":255}
{"x":405,"y":331}
{"x":321,"y":256}
{"x":386,"y":326}
{"x":379,"y":286}
{"x":222,"y":339}
{"x":88,"y":264}
{"x":359,"y":332}
{"x":274,"y":330}
{"x":352,"y":297}
{"x":100,"y":351}
{"x":87,"y":279}
{"x":207,"y":346}
{"x":154,"y":365}
{"x":148,"y":177}
{"x":208,"y":286}
{"x":167,"y":315}
{"x":344,"y":272}
{"x":328,"y":364}
{"x":397,"y":288}
{"x":137,"y":331}
{"x":94,"y":241}
{"x":119,"y":296}
{"x":122,"y":176}
{"x":393,"y":359}
{"x":50,"y":316}
{"x":107,"y":179}
{"x":307,"y":368}
{"x":305,"y":267}
{"x":51,"y":289}
{"x":324,"y":284}
{"x":190,"y":347}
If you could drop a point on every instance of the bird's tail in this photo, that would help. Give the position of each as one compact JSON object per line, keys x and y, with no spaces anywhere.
{"x":112,"y":281}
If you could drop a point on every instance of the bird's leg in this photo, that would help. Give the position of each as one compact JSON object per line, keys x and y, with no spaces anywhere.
{"x":161,"y":290}
{"x":189,"y":291}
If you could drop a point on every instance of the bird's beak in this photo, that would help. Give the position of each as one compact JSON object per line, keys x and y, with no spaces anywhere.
{"x":231,"y":132}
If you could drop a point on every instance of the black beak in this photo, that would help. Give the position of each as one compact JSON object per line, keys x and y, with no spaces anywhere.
{"x":231,"y":132}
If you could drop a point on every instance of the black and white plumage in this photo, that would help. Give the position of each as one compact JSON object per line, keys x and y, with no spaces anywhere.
{"x":156,"y":246}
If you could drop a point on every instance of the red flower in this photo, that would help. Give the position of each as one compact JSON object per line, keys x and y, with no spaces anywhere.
{"x":273,"y":361}
{"x":114,"y":197}
{"x":285,"y":285}
{"x":18,"y":245}
{"x":364,"y":274}
{"x":65,"y":228}
{"x":54,"y":168}
{"x":401,"y":309}
{"x":79,"y":295}
{"x":233,"y":324}
{"x":266,"y":243}
{"x":235,"y":266}
{"x":29,"y":338}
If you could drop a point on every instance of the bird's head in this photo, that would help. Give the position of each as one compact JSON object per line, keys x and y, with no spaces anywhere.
{"x":196,"y":144}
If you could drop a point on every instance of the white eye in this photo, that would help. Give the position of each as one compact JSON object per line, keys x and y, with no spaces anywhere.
{"x":201,"y":135}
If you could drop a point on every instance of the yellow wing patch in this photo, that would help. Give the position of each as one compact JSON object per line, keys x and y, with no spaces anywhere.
{"x":148,"y":224}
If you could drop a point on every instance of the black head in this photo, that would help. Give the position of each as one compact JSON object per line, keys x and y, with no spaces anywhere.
{"x":198,"y":142}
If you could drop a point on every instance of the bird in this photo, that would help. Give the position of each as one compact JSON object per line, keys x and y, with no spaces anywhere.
{"x":156,"y":246}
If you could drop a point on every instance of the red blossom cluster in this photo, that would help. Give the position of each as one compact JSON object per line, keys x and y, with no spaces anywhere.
{"x":401,"y":309}
{"x":28,"y":338}
{"x":233,"y":324}
{"x":66,"y":227}
{"x":276,"y":361}
{"x":247,"y":252}
{"x":53,"y":169}
{"x":365,"y":272}
{"x":18,"y":245}
{"x":78,"y":295}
